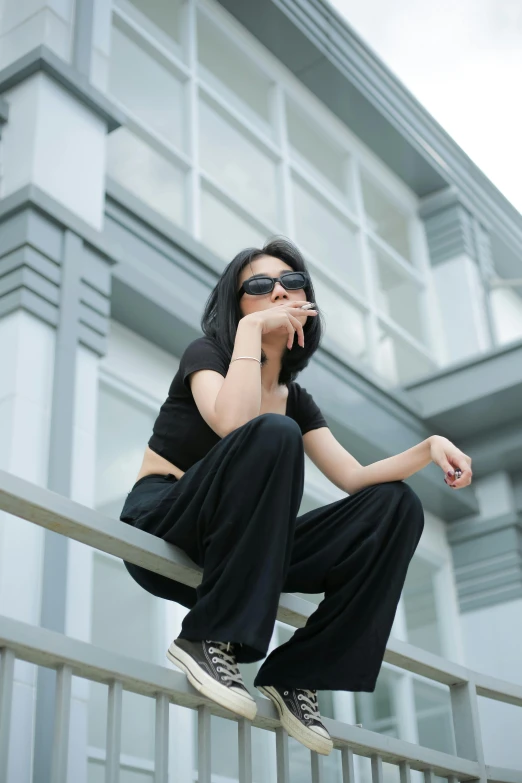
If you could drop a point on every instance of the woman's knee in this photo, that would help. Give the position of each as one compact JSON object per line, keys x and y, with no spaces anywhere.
{"x":391,"y":489}
{"x":277,"y":425}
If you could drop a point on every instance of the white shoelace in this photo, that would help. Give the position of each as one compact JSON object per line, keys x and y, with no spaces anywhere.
{"x":310,"y":699}
{"x":229,"y":662}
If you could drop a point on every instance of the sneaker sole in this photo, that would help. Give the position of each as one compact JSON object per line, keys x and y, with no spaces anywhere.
{"x":244,"y":706}
{"x":294,"y":727}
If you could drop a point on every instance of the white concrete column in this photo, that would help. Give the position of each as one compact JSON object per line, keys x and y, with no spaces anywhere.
{"x":493,"y":640}
{"x":54,"y":141}
{"x":458,"y":271}
{"x":26,"y":361}
{"x":26,"y":25}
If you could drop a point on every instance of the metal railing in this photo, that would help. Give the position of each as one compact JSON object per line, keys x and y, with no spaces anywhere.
{"x":73,"y":657}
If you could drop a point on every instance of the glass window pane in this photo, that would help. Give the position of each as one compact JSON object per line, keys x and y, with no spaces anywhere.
{"x":397,"y":361}
{"x":376,"y":711}
{"x":123,"y":429}
{"x":385,"y":218}
{"x":124,"y":619}
{"x":397,"y":296}
{"x":96,"y":774}
{"x":226,"y":66}
{"x":147,"y":87}
{"x":128,"y":621}
{"x":344,"y":323}
{"x":163,"y":17}
{"x":420,"y":606}
{"x":327,"y":236}
{"x":312,"y":144}
{"x":238,"y":164}
{"x":225,"y":232}
{"x":434,"y":720}
{"x":152,"y":178}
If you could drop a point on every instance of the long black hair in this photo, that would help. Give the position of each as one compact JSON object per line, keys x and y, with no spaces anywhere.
{"x":222,"y":313}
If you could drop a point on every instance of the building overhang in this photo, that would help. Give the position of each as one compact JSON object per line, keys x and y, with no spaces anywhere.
{"x":478,"y":402}
{"x":317,"y":44}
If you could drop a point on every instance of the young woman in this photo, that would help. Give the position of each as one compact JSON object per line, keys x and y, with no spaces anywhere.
{"x":222,"y":479}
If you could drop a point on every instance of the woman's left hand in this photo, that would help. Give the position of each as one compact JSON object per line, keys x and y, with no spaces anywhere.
{"x":448,"y":457}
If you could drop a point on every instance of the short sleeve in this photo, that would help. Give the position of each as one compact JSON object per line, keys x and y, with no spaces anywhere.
{"x":202,"y":354}
{"x":308,"y":413}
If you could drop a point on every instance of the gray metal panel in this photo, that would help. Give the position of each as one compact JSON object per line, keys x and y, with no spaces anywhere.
{"x":99,"y":303}
{"x":41,"y":58}
{"x":26,"y":278}
{"x":22,"y":299}
{"x":449,"y":234}
{"x":30,"y":258}
{"x":32,"y":203}
{"x":83,"y":38}
{"x":4,"y":112}
{"x":96,"y":271}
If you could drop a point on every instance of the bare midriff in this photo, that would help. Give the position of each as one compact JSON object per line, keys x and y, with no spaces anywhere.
{"x":155,"y":463}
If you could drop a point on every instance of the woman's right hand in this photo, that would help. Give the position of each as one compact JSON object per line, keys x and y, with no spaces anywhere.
{"x":283,"y":317}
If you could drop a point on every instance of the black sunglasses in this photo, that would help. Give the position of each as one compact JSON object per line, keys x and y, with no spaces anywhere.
{"x":264,"y":284}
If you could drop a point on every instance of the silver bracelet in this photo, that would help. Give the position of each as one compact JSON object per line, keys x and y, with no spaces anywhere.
{"x":246,"y":357}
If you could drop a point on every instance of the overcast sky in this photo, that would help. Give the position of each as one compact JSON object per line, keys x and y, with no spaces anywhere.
{"x":462,"y":59}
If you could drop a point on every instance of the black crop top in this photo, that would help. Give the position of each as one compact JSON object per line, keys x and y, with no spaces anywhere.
{"x":181,"y":434}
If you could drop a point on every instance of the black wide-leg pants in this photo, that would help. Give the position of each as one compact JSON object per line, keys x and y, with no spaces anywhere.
{"x":235,"y":514}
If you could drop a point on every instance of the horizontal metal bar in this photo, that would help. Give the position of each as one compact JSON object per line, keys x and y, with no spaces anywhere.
{"x":48,"y":648}
{"x":499,"y":690}
{"x":61,"y":514}
{"x":501,"y":775}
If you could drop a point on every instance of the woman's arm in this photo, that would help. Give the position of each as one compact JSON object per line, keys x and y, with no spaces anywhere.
{"x":348,"y":474}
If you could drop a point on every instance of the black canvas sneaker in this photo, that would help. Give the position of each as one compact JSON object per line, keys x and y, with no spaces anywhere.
{"x":212,"y":669}
{"x":299,"y":714}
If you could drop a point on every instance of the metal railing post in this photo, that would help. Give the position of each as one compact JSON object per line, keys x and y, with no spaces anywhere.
{"x":204,"y":744}
{"x":244,"y":736}
{"x":466,"y":723}
{"x":282,"y":755}
{"x":161,"y":741}
{"x":113,"y":743}
{"x":7,"y":660}
{"x":62,"y":716}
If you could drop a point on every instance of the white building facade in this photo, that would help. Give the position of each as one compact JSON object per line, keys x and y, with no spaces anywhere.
{"x":143,"y":144}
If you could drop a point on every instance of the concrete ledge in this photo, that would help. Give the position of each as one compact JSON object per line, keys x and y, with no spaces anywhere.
{"x":43,"y":59}
{"x":474,"y":395}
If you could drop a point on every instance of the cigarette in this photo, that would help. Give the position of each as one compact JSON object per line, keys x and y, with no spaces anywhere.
{"x":309,"y":306}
